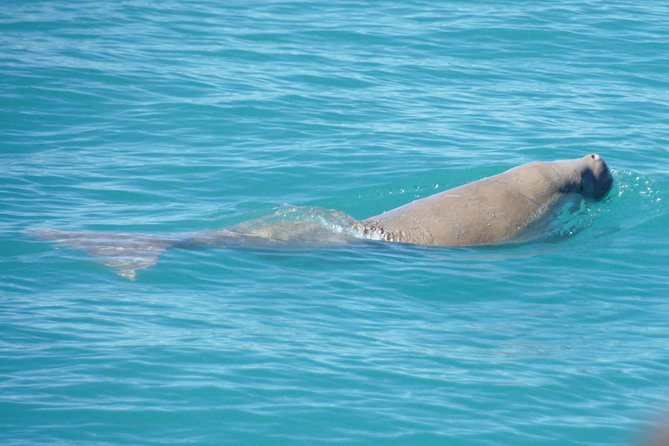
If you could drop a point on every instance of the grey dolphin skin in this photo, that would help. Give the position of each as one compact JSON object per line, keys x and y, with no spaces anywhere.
{"x":492,"y":210}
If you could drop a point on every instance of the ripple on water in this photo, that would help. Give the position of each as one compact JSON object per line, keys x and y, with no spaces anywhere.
{"x":160,"y":118}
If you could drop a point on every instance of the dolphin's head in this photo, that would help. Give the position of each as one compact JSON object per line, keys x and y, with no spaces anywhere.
{"x":596,"y":179}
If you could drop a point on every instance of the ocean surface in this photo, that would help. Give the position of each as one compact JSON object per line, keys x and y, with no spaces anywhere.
{"x":168,"y":117}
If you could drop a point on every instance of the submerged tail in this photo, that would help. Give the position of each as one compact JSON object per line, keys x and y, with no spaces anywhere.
{"x":293,"y":226}
{"x":125,"y":253}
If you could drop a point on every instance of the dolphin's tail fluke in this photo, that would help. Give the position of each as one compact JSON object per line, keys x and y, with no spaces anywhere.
{"x":124,"y":253}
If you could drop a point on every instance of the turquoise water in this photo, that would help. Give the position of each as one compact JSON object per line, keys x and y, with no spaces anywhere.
{"x":163,"y":117}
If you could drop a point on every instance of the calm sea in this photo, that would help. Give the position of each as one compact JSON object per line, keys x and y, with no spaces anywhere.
{"x":163,"y":117}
